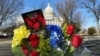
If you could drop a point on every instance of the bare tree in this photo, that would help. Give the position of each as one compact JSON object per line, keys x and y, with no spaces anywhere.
{"x":66,"y":9}
{"x":94,"y":7}
{"x":9,"y":8}
{"x":78,"y":20}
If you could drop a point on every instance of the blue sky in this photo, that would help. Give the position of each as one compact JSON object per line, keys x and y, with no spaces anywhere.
{"x":30,"y":4}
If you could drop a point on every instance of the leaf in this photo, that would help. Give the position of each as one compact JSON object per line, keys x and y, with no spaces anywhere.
{"x":56,"y":52}
{"x":17,"y":51}
{"x":64,"y":30}
{"x":71,"y":49}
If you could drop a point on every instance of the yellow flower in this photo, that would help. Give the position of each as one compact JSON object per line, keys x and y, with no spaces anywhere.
{"x":19,"y":34}
{"x":64,"y":28}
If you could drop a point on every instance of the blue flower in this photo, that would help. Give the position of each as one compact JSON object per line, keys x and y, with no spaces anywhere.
{"x":53,"y":39}
{"x":56,"y":37}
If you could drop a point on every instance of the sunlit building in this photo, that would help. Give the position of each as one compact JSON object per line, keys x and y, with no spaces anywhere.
{"x":50,"y":18}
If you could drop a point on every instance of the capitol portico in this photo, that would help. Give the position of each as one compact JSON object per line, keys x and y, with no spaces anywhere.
{"x":50,"y":18}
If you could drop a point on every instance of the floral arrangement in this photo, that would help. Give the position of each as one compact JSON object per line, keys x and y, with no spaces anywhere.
{"x":35,"y":38}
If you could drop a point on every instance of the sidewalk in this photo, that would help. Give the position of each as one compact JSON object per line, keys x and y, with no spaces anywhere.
{"x":5,"y":40}
{"x":5,"y":47}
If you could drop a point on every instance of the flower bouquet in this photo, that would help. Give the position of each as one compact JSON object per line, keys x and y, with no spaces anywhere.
{"x":35,"y":38}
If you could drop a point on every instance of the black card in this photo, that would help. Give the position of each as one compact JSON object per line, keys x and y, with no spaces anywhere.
{"x":34,"y":20}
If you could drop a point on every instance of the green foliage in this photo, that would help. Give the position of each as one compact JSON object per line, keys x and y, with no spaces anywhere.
{"x":56,"y":52}
{"x":91,"y":30}
{"x":69,"y":51}
{"x":17,"y":51}
{"x":44,"y":46}
{"x":64,"y":30}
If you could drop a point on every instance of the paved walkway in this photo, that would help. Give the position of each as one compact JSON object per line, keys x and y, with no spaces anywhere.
{"x":95,"y":48}
{"x":5,"y":47}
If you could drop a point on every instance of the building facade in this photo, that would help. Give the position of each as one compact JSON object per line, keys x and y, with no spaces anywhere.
{"x":50,"y":18}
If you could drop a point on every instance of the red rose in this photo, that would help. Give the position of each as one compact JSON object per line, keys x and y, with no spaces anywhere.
{"x":33,"y":37}
{"x":34,"y":40}
{"x":76,"y":41}
{"x":34,"y":43}
{"x":28,"y":22}
{"x":34,"y":53}
{"x":36,"y":26}
{"x":25,"y":50}
{"x":70,"y":29}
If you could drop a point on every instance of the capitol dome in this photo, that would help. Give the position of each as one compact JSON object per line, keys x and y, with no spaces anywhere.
{"x":48,"y":11}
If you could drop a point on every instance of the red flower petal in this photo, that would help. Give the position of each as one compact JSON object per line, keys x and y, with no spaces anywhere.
{"x":34,"y":53}
{"x":36,"y":26}
{"x":70,"y":29}
{"x":34,"y":43}
{"x":76,"y":41}
{"x":34,"y":40}
{"x":33,"y":37}
{"x":24,"y":49}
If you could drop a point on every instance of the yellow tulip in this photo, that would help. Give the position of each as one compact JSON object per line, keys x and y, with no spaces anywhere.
{"x":19,"y":34}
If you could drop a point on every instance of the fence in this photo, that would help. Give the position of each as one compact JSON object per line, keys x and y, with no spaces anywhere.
{"x":89,"y":38}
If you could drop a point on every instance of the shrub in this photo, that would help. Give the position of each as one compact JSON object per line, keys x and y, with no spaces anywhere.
{"x":91,"y":31}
